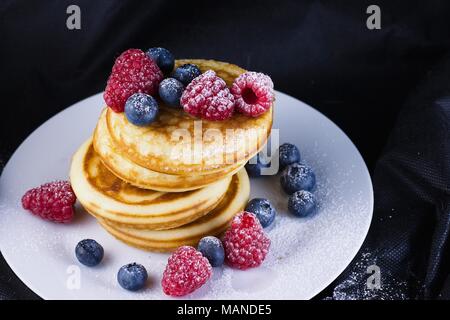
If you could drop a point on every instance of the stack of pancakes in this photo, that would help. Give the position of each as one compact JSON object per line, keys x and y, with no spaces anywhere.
{"x":173,"y":182}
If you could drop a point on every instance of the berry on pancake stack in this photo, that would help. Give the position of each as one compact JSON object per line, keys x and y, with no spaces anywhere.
{"x":132,"y":174}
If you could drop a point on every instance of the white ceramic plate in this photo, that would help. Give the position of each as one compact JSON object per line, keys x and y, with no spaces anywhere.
{"x":306,"y":255}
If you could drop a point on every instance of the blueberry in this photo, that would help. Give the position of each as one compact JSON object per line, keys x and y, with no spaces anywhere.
{"x":302,"y":204}
{"x":212,"y":249}
{"x":254,"y":166}
{"x":186,"y":73}
{"x":163,"y":58}
{"x":263,"y":210}
{"x":141,"y":109}
{"x":288,"y":154}
{"x":132,"y":276}
{"x":89,"y":252}
{"x":297,"y":177}
{"x":170,"y":91}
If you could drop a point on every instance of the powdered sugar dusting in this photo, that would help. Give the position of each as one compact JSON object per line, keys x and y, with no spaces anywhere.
{"x":355,"y":287}
{"x":186,"y":271}
{"x":170,"y":85}
{"x":253,"y":92}
{"x":245,"y":242}
{"x":140,"y":103}
{"x":303,"y":197}
{"x":305,"y":254}
{"x":208,"y":97}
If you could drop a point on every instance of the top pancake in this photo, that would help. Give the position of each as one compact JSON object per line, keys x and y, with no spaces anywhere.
{"x":177,"y":143}
{"x":141,"y":177}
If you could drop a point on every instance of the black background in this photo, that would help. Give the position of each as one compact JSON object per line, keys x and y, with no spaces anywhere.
{"x":320,"y":52}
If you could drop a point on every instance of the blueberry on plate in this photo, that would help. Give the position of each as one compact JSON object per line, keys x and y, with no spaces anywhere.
{"x":297,"y":177}
{"x":170,"y":91}
{"x":141,"y":109}
{"x":263,"y":210}
{"x":186,"y":73}
{"x":89,"y":252}
{"x":163,"y":58}
{"x":288,"y":154}
{"x":254,"y":166}
{"x":212,"y":249}
{"x":132,"y":276}
{"x":302,"y":204}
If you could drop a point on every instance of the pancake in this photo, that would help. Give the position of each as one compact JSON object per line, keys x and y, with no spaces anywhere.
{"x":177,"y":143}
{"x":214,"y":223}
{"x":103,"y":194}
{"x":145,"y":178}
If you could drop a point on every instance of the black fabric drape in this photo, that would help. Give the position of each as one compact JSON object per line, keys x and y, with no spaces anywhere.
{"x":318,"y":51}
{"x":409,"y":235}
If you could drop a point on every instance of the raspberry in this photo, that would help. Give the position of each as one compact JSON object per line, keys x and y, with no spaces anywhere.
{"x":132,"y":72}
{"x":52,"y":201}
{"x":186,"y":271}
{"x":245,"y":243}
{"x":253,"y":93}
{"x":208,"y":97}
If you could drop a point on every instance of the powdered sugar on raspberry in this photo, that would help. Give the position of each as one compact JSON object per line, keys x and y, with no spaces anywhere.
{"x":253,"y":93}
{"x":52,"y":201}
{"x":208,"y":97}
{"x":133,"y":72}
{"x":186,"y":271}
{"x":245,"y":242}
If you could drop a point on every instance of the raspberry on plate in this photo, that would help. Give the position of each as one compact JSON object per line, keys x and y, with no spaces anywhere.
{"x":132,"y":72}
{"x":245,"y":242}
{"x":186,"y":271}
{"x":52,"y":201}
{"x":253,"y":93}
{"x":208,"y":97}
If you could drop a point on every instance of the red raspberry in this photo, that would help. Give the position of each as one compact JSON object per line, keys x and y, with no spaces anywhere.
{"x":208,"y":97}
{"x":52,"y":201}
{"x":186,"y":271}
{"x":245,"y":242}
{"x":253,"y":93}
{"x":132,"y":72}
